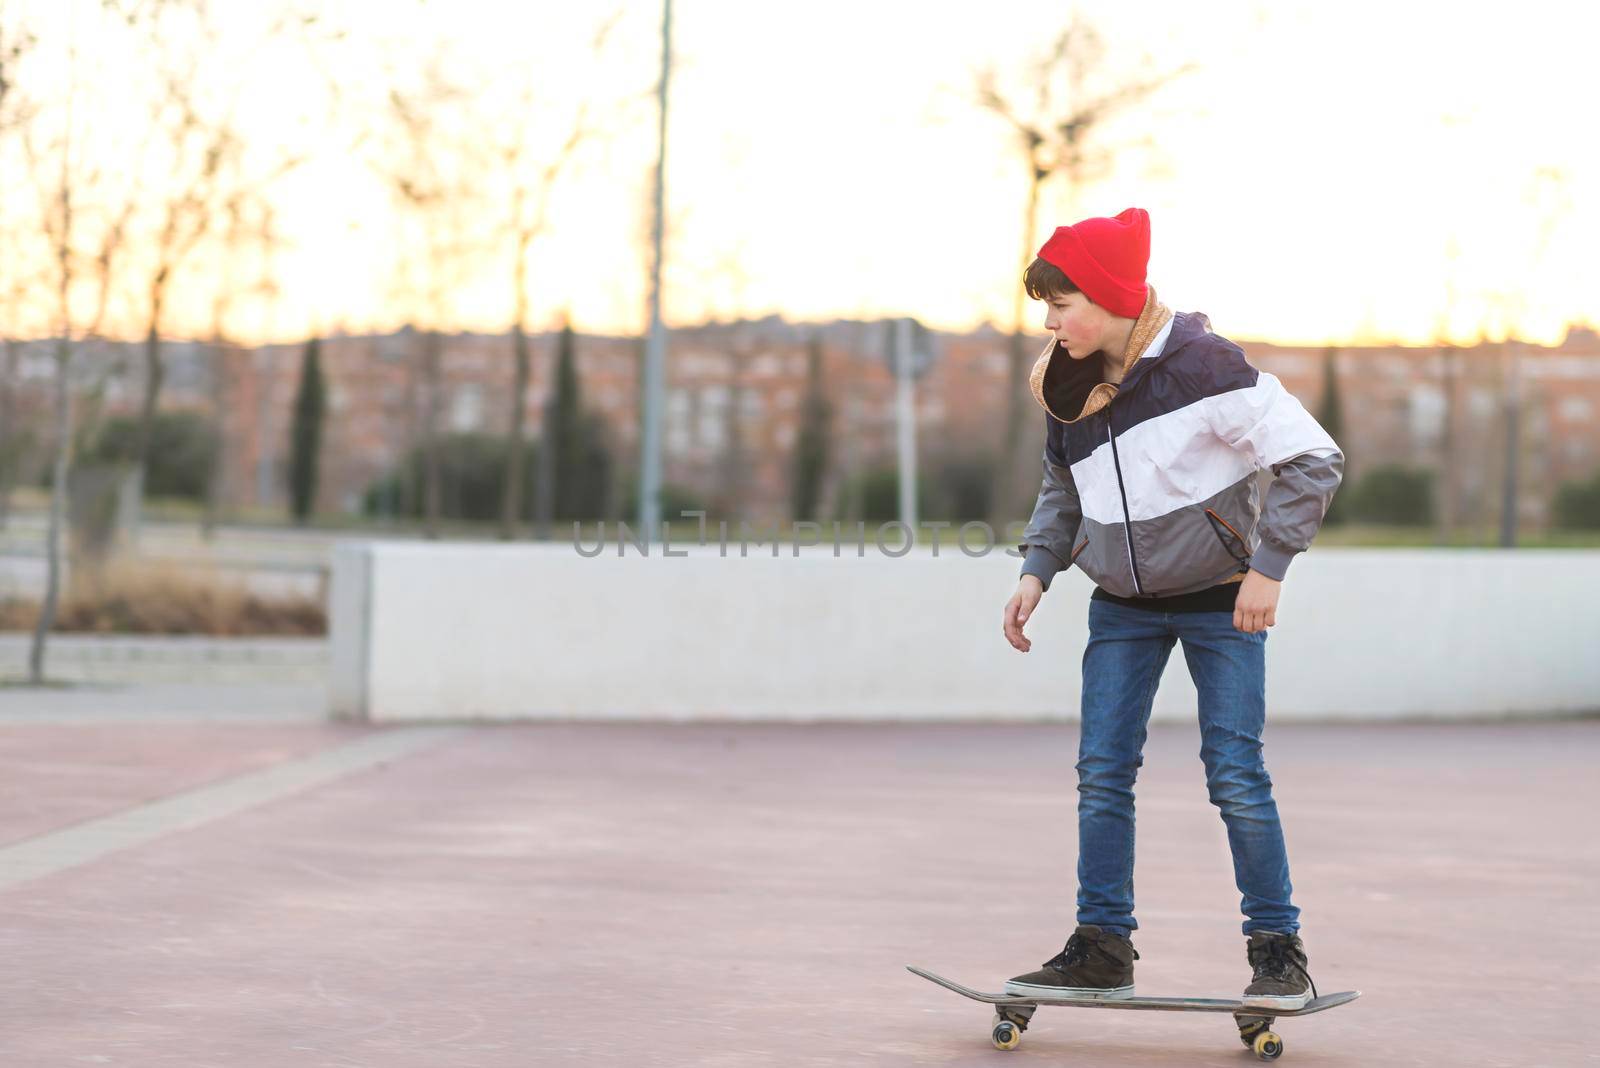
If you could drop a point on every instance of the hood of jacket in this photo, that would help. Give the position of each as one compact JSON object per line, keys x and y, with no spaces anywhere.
{"x":1070,"y":389}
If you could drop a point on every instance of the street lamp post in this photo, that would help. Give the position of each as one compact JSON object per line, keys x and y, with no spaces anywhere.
{"x":656,"y":343}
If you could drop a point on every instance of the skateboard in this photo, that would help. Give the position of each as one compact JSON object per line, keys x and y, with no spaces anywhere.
{"x":1013,"y":1011}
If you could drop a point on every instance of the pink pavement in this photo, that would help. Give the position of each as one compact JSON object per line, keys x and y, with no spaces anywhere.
{"x":567,"y":894}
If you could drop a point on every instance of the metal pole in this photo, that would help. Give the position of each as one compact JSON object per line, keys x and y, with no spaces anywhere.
{"x":656,"y":344}
{"x":263,"y":362}
{"x":1508,"y":503}
{"x":907,"y":415}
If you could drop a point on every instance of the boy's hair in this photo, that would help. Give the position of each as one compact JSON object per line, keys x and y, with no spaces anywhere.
{"x":1044,"y":281}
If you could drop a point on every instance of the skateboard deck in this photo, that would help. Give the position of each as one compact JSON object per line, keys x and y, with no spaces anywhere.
{"x":1013,"y":1011}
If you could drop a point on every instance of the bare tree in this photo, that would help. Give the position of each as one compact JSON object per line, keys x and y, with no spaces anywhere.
{"x":1448,"y":510}
{"x":13,"y":441}
{"x":1056,"y":117}
{"x":15,"y":44}
{"x":84,"y":205}
{"x":249,"y":223}
{"x":733,"y":467}
{"x":432,"y":166}
{"x":732,"y":475}
{"x":1548,"y":196}
{"x":200,"y":83}
{"x":531,"y":179}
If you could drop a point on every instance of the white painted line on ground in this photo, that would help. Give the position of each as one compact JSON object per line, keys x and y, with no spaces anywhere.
{"x":85,"y":842}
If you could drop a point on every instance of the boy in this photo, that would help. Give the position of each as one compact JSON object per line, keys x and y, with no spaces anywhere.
{"x":1155,"y":429}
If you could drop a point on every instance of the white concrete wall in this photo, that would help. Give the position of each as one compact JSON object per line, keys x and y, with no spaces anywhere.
{"x":496,"y":631}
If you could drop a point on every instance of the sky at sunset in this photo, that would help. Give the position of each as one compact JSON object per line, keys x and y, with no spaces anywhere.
{"x":1353,"y":172}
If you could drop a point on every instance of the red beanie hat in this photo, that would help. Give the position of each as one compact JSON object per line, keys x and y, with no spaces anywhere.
{"x":1106,"y":259}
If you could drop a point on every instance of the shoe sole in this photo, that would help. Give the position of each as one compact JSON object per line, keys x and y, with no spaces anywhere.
{"x":1287,"y":1003}
{"x":1105,"y":993}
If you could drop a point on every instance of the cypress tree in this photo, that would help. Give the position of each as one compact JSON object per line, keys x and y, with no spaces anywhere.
{"x":305,"y":435}
{"x":565,"y":450}
{"x":1331,"y":415}
{"x":811,"y":446}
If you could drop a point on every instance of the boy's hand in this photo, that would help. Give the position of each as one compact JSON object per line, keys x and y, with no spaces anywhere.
{"x":1020,"y":607}
{"x":1256,"y":607}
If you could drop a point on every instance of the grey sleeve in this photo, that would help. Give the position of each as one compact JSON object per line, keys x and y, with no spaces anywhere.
{"x":1047,"y":540}
{"x":1296,"y":501}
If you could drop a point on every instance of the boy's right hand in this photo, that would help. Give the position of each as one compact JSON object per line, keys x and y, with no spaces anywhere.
{"x":1019,"y":608}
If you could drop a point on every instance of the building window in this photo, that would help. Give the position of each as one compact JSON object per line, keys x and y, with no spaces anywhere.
{"x":466,"y":407}
{"x":1576,"y":409}
{"x":1427,"y":413}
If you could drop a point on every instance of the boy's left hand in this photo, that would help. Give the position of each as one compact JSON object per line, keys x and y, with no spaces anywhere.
{"x":1256,"y":606}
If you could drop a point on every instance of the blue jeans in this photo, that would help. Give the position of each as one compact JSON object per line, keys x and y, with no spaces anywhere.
{"x":1127,"y":650}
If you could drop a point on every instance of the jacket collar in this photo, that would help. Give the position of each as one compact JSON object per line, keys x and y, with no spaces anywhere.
{"x":1066,"y":379}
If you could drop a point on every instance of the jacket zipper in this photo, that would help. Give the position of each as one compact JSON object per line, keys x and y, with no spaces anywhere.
{"x":1127,"y":523}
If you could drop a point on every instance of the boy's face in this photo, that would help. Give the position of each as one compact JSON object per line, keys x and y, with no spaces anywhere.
{"x":1078,"y":323}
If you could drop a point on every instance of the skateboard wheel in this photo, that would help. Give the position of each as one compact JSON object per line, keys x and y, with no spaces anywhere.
{"x":1268,"y":1046}
{"x":1005,"y":1034}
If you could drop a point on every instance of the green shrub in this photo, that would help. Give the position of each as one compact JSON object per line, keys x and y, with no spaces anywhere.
{"x":878,"y":491}
{"x":953,"y":488}
{"x":675,"y":500}
{"x":1395,"y":495}
{"x":960,"y":487}
{"x":472,"y":471}
{"x":472,"y":478}
{"x":1577,"y":504}
{"x":183,"y":450}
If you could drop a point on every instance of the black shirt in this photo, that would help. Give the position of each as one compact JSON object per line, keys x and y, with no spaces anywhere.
{"x":1218,"y":598}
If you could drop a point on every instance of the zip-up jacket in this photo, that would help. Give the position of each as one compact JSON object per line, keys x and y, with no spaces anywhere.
{"x":1150,"y":484}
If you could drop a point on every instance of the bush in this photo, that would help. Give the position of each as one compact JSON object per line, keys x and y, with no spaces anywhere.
{"x":472,"y":472}
{"x":879,"y":490}
{"x":472,"y":476}
{"x":953,"y":488}
{"x":183,"y":450}
{"x":1577,"y":504}
{"x":1394,"y":495}
{"x":960,"y":488}
{"x":20,"y":450}
{"x":675,"y":499}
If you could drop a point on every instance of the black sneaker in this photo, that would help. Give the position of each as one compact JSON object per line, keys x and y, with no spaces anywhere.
{"x":1281,"y":980}
{"x":1093,"y":964}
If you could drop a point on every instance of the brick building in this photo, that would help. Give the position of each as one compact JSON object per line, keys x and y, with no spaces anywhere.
{"x":735,"y":392}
